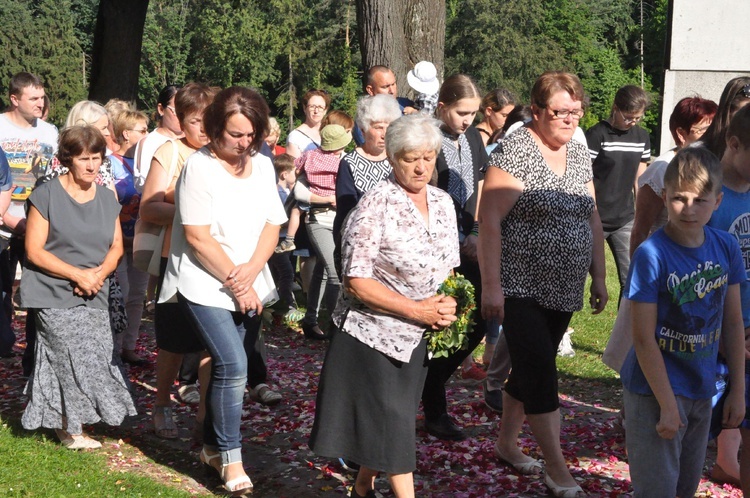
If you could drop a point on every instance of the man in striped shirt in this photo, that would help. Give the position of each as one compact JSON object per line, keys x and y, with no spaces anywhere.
{"x":620,"y":151}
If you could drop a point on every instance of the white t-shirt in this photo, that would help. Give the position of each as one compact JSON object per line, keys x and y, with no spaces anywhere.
{"x":302,"y":141}
{"x":28,"y":150}
{"x":144,"y":153}
{"x":237,"y":210}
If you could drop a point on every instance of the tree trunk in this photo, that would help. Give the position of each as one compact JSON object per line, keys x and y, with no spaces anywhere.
{"x":117,"y":49}
{"x":400,"y":33}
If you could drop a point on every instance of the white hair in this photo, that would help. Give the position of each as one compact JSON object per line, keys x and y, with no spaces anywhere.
{"x":381,"y":108}
{"x":412,"y":132}
{"x":85,"y":112}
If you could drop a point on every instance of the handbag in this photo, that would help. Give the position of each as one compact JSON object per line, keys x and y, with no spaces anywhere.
{"x":149,"y":237}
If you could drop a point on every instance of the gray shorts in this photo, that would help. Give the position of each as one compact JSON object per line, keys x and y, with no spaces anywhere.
{"x":665,"y":467}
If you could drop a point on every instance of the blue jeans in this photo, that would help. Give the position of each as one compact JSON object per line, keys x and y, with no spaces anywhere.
{"x":223,"y":333}
{"x":619,"y":242}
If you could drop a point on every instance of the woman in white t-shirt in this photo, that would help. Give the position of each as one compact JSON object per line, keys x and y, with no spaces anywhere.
{"x":226,"y":226}
{"x":168,"y":128}
{"x":307,"y":135}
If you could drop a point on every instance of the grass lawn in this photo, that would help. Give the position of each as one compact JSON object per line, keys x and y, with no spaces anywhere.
{"x":34,"y":464}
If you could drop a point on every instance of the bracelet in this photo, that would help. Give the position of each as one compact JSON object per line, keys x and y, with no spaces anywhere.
{"x":475,"y":229}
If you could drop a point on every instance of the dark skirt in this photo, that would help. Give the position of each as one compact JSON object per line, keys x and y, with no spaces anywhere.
{"x":367,"y":406}
{"x":174,"y":331}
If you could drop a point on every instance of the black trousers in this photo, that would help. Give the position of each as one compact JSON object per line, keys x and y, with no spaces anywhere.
{"x":440,"y":369}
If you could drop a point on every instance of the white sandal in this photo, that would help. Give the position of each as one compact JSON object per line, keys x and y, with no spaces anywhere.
{"x":230,"y":486}
{"x":77,"y":441}
{"x":529,"y":468}
{"x":563,"y":491}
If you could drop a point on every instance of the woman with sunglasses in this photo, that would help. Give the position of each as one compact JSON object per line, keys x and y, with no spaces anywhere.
{"x":620,"y":151}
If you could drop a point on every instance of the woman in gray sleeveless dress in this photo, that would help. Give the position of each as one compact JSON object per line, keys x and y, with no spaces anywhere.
{"x":73,"y":241}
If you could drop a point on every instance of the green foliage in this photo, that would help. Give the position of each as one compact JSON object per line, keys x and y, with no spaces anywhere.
{"x":65,"y":79}
{"x":18,"y":41}
{"x":166,"y":47}
{"x":442,"y":343}
{"x":40,"y":38}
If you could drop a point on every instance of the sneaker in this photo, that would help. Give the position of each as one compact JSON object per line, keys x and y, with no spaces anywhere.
{"x":285,"y":245}
{"x":293,"y":315}
{"x":189,"y":393}
{"x":474,"y":373}
{"x":566,"y":346}
{"x":264,"y":395}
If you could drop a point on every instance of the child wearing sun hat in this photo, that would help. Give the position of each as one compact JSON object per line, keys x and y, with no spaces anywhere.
{"x":423,"y":80}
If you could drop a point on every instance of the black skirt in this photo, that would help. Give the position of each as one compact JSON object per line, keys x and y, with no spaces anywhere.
{"x":174,"y":331}
{"x":367,"y":406}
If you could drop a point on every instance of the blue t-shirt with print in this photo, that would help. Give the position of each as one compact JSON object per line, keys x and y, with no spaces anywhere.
{"x":689,"y":286}
{"x":127,"y":194}
{"x":733,"y":216}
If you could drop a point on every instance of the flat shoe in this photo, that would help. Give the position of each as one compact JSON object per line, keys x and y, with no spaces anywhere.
{"x":164,"y":425}
{"x":718,"y":474}
{"x":77,"y":441}
{"x":563,"y":491}
{"x":529,"y":468}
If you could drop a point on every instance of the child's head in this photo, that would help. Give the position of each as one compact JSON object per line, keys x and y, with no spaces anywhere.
{"x":692,"y":189}
{"x":274,"y":132}
{"x":423,"y":78}
{"x":334,"y":138}
{"x":737,"y":152}
{"x":284,"y":166}
{"x":338,"y":118}
{"x":694,"y":169}
{"x":629,"y":107}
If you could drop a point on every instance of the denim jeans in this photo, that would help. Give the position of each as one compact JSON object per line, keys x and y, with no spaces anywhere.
{"x":223,"y":333}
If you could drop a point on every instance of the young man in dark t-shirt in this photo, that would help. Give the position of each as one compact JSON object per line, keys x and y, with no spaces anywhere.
{"x":620,"y":150}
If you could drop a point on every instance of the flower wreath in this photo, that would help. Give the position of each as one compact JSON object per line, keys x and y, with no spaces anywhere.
{"x":443,"y":343}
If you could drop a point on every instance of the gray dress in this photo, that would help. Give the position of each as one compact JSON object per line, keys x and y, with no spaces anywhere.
{"x":74,"y":380}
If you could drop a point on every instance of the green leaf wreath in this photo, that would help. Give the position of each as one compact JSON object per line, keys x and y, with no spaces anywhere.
{"x":442,"y":343}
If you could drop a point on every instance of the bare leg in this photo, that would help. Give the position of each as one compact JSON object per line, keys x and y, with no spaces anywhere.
{"x":546,"y":430}
{"x":167,"y":368}
{"x":727,"y":448}
{"x":365,"y":480}
{"x":293,"y":226}
{"x":512,"y":421}
{"x":402,"y":485}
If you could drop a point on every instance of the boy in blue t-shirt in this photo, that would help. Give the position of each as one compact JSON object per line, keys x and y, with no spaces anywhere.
{"x":684,"y":287}
{"x":733,"y":216}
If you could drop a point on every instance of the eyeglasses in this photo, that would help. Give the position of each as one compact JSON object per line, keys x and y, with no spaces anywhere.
{"x":745,"y":91}
{"x":699,"y":130}
{"x":564,"y":113}
{"x":316,"y":108}
{"x":630,"y":119}
{"x":139,"y":130}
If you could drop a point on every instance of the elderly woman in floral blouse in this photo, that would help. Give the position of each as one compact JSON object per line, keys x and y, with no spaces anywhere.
{"x":399,"y":245}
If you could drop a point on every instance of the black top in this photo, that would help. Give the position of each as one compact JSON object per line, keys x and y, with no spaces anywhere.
{"x":615,"y":157}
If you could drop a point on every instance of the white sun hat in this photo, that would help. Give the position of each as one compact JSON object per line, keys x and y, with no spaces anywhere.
{"x":423,"y":78}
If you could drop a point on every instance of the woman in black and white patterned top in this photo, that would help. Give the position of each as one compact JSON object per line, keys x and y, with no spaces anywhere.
{"x":538,"y":208}
{"x":365,"y":166}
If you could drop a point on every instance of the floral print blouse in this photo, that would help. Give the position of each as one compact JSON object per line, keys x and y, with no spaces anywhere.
{"x":385,"y":238}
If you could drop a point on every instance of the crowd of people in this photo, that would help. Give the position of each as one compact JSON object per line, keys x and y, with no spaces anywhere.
{"x":207,"y":220}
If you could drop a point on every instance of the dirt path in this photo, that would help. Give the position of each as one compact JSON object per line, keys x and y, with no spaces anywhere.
{"x":278,"y":460}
